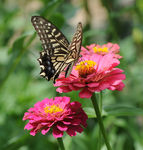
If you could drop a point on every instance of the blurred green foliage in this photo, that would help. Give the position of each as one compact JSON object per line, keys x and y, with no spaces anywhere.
{"x":21,"y":85}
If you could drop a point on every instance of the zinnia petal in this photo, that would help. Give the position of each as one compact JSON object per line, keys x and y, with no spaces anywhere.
{"x":57,"y":114}
{"x":85,"y":93}
{"x":71,"y":132}
{"x":64,"y":89}
{"x":57,"y":133}
{"x":44,"y":131}
{"x":62,"y":127}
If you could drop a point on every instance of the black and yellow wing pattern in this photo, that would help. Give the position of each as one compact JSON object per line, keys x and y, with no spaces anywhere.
{"x":58,"y":54}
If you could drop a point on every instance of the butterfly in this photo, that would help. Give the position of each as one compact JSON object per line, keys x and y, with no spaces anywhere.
{"x":58,"y":54}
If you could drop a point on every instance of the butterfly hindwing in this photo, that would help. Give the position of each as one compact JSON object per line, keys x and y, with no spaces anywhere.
{"x":58,"y":54}
{"x":47,"y":69}
{"x":49,"y":66}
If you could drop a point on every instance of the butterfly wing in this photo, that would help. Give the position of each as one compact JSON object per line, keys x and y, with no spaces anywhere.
{"x":74,"y":52}
{"x":55,"y":47}
{"x":49,"y":34}
{"x":58,"y":54}
{"x":74,"y":48}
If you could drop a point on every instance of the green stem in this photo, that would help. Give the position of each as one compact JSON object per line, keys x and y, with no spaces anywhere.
{"x":99,"y":118}
{"x":99,"y":140}
{"x":100,"y":102}
{"x":99,"y":133}
{"x":61,"y":144}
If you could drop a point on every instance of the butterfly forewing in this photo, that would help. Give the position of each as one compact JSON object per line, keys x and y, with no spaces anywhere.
{"x":75,"y":44}
{"x":58,"y":54}
{"x":74,"y":49}
{"x":52,"y":39}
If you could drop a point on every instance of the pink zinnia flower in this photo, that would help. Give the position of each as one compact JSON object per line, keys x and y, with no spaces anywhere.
{"x":92,"y":74}
{"x":108,"y":48}
{"x":59,"y":115}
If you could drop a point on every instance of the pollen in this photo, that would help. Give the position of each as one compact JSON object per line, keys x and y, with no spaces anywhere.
{"x":53,"y":109}
{"x":86,"y":67}
{"x":101,"y":50}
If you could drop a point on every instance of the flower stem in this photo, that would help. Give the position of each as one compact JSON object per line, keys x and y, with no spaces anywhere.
{"x":61,"y":144}
{"x":99,"y":134}
{"x":99,"y":118}
{"x":100,"y":102}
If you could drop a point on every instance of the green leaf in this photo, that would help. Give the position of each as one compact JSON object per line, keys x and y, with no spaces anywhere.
{"x":115,"y":111}
{"x":119,"y":110}
{"x":49,"y":8}
{"x":90,"y":112}
{"x":57,"y":19}
{"x":19,"y":42}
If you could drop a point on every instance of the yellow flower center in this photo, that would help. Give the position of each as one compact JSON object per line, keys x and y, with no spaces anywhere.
{"x":85,"y":67}
{"x":100,"y":50}
{"x":53,"y":109}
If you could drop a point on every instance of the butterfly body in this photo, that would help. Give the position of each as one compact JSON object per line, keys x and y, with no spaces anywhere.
{"x":58,"y":54}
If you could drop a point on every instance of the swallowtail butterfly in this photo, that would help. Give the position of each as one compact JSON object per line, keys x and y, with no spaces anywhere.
{"x":58,"y":54}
